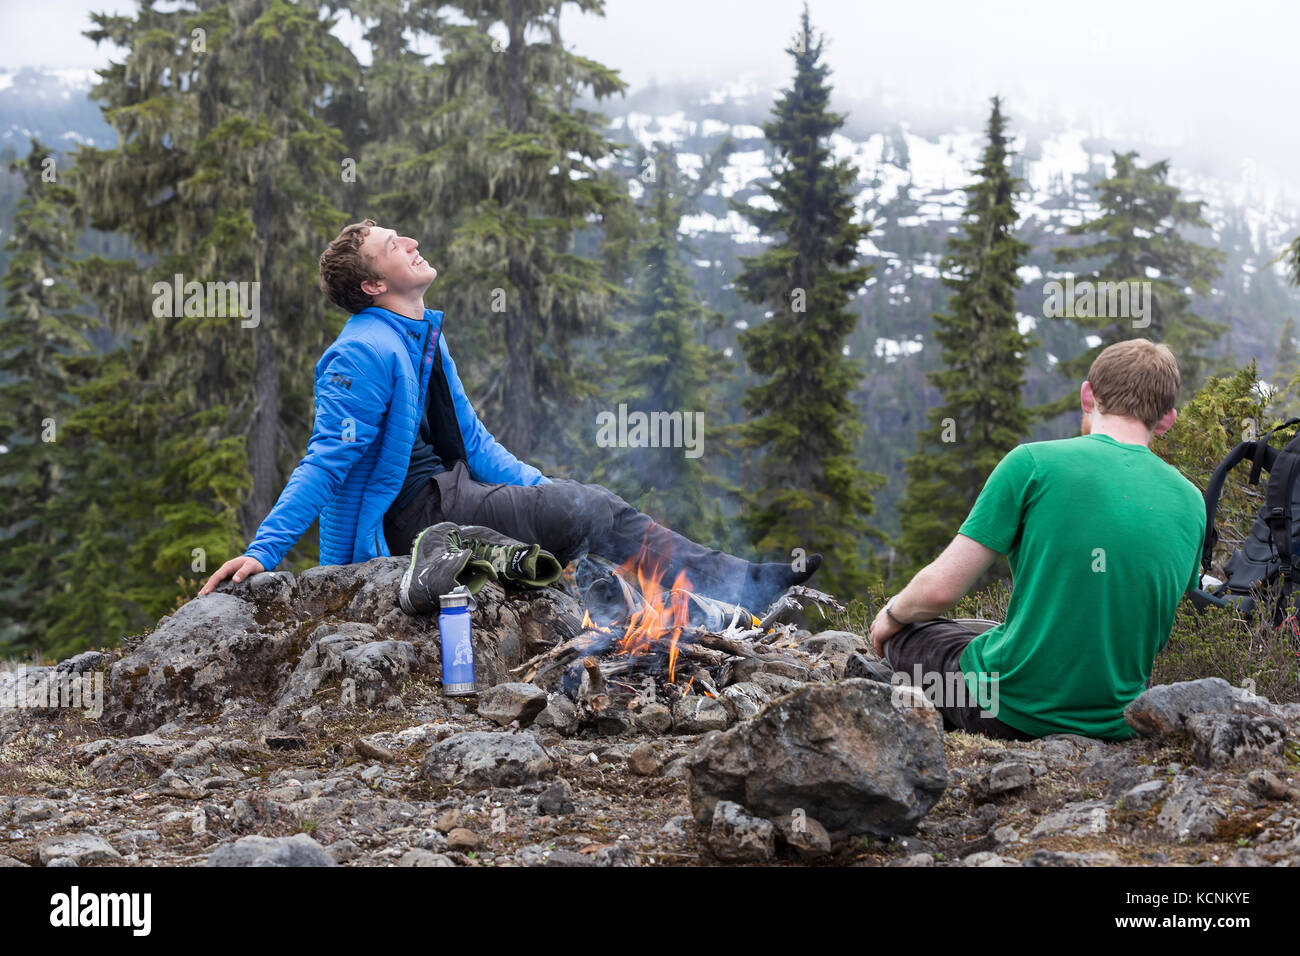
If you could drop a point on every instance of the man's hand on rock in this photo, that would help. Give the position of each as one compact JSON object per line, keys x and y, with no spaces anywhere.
{"x":236,"y":568}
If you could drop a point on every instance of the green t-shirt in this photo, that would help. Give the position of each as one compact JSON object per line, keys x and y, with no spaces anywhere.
{"x":1103,"y":539}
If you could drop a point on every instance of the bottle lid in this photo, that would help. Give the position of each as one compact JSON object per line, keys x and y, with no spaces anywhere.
{"x":458,"y":596}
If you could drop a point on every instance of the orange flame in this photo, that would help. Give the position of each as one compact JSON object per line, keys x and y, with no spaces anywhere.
{"x":663,"y":614}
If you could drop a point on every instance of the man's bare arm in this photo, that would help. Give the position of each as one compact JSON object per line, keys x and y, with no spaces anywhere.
{"x":935,"y":588}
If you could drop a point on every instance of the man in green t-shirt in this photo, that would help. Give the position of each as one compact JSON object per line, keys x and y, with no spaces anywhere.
{"x":1103,"y":539}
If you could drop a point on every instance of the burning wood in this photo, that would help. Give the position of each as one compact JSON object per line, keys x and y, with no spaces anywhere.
{"x":642,"y":642}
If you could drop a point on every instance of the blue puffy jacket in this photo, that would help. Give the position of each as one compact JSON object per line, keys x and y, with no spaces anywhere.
{"x":370,"y":392}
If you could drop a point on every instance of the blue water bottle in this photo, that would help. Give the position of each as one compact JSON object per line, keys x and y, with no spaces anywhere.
{"x":457,"y":643}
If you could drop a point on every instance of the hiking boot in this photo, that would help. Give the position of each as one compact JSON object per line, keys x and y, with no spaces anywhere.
{"x":438,"y":564}
{"x":512,"y":560}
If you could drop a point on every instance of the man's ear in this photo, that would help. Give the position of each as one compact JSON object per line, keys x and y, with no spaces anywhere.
{"x":372,"y":287}
{"x":1166,"y":422}
{"x":1087,"y":401}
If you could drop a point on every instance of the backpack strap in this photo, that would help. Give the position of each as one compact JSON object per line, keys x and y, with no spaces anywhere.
{"x":1277,"y":510}
{"x":1260,"y":452}
{"x":1263,"y":457}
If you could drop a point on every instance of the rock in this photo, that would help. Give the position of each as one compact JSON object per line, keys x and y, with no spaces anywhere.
{"x":477,"y":760}
{"x":803,"y":834}
{"x":987,"y":858}
{"x":350,"y":652}
{"x":836,"y":648}
{"x":620,"y":854}
{"x":867,"y":665}
{"x":1118,"y":772}
{"x":1191,"y":813}
{"x":1142,"y":796}
{"x":343,"y":850}
{"x":560,"y":714}
{"x":737,"y":837}
{"x":654,"y":718}
{"x":556,"y":799}
{"x":297,"y":850}
{"x":1001,"y":778}
{"x":568,"y":858}
{"x":1083,"y":818}
{"x":1219,"y":740}
{"x":775,"y":685}
{"x":83,"y":849}
{"x":211,"y":649}
{"x":419,"y":857}
{"x":1006,"y":835}
{"x":1162,"y":711}
{"x":697,"y":714}
{"x":31,"y":809}
{"x":645,"y":760}
{"x":506,"y":703}
{"x":854,"y":755}
{"x":749,"y":669}
{"x":614,"y":722}
{"x":448,"y":821}
{"x":462,"y":839}
{"x":916,"y":859}
{"x":1267,"y":784}
{"x":744,"y":700}
{"x":373,"y":751}
{"x":10,"y":861}
{"x":1061,"y":858}
{"x":81,"y":663}
{"x":280,"y":636}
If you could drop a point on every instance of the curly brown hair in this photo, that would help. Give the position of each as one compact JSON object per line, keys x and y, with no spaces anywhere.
{"x":343,"y":267}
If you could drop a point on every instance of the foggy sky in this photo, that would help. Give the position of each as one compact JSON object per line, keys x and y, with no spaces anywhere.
{"x":1221,"y":75}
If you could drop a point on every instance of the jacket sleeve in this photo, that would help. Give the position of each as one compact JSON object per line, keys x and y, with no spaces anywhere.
{"x":486,"y":459}
{"x":353,"y":390}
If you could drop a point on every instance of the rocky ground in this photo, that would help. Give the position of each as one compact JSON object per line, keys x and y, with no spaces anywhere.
{"x":297,"y":720}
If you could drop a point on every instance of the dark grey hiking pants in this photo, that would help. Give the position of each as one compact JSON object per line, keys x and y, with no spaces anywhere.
{"x":568,"y":519}
{"x":928,"y":653}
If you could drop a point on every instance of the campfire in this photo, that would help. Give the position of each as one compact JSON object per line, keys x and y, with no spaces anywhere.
{"x":640,"y":642}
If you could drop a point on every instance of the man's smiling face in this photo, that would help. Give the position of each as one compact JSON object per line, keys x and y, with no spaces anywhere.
{"x":397,"y":259}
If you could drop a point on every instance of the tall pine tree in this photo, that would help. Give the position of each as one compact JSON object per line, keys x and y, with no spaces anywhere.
{"x":1136,"y":234}
{"x":809,"y":491}
{"x":981,"y":416}
{"x":506,"y":167}
{"x":225,"y":170}
{"x":663,"y":366}
{"x":44,"y":324}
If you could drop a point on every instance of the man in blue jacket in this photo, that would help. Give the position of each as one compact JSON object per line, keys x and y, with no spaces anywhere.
{"x":397,"y":447}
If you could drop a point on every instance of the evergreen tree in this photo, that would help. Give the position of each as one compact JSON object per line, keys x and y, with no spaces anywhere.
{"x":981,"y":417}
{"x":663,"y":365}
{"x":1137,"y":235}
{"x":1288,"y":367}
{"x":508,"y":163}
{"x":43,"y":324}
{"x":808,"y":490}
{"x":225,"y":170}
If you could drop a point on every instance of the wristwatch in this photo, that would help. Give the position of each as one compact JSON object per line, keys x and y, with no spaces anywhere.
{"x":890,"y":614}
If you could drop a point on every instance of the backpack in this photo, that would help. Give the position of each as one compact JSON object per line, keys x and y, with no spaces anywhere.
{"x":1267,"y":565}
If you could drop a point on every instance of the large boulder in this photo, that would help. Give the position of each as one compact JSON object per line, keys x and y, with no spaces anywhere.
{"x":859,"y":756}
{"x":1162,"y":711}
{"x":279,"y":636}
{"x":210,"y":650}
